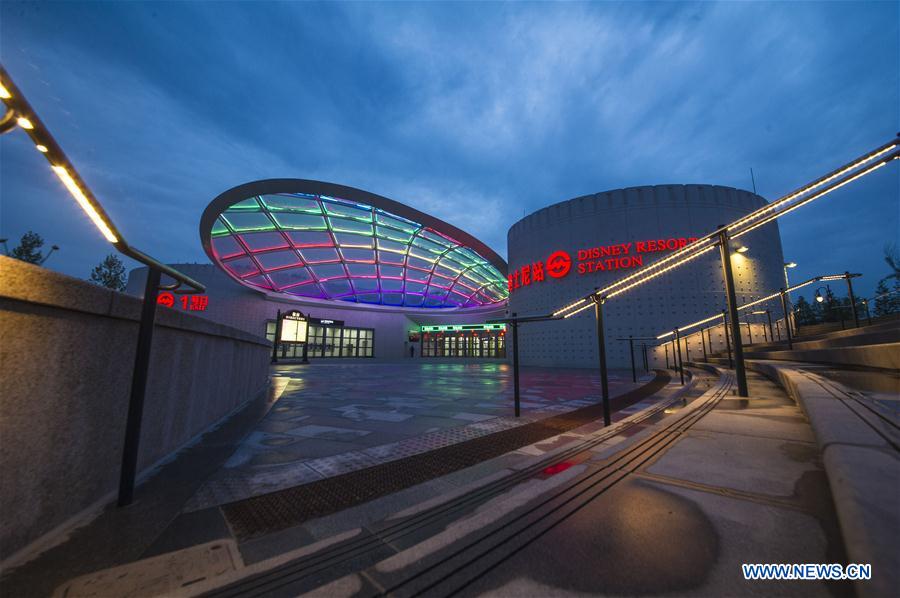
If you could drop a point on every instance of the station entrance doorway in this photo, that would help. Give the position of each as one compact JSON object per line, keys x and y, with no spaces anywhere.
{"x":464,"y":340}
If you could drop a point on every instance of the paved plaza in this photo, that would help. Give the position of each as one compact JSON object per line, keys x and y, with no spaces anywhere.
{"x":332,"y":418}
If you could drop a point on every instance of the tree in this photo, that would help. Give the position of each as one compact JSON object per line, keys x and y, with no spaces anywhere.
{"x":892,"y":258}
{"x":29,"y":249}
{"x":886,"y":302}
{"x":804,"y":312}
{"x":110,"y":273}
{"x":831,"y":307}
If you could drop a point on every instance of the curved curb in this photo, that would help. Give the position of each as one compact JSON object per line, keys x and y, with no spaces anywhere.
{"x":862,"y":462}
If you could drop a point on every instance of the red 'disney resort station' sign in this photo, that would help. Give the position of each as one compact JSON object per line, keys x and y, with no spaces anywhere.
{"x":618,"y":256}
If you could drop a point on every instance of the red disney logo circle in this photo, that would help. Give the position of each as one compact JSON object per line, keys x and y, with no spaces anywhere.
{"x":166,"y":299}
{"x":558,"y":264}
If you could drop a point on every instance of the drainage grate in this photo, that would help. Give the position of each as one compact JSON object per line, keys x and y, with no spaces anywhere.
{"x":279,"y":510}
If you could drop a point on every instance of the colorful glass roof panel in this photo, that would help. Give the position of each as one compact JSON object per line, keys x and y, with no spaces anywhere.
{"x":326,"y":247}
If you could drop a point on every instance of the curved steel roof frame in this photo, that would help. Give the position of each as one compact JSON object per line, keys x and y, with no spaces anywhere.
{"x":312,"y":239}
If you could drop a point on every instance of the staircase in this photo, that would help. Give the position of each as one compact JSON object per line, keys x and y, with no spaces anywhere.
{"x":876,"y":346}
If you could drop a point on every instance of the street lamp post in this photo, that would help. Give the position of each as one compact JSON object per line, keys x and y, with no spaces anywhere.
{"x":787,"y":285}
{"x":731,"y":298}
{"x":865,"y":303}
{"x":601,"y":346}
{"x":680,"y":362}
{"x":848,"y":276}
{"x":787,"y":324}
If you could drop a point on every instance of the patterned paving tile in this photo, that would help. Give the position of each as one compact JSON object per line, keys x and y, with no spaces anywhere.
{"x":336,"y":418}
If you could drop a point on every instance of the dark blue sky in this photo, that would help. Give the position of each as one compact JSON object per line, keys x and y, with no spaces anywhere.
{"x":476,"y":113}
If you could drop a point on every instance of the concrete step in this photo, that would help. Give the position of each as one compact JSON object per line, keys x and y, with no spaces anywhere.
{"x":884,"y":356}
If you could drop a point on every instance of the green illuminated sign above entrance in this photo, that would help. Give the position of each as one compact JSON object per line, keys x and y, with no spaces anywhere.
{"x":451,"y":327}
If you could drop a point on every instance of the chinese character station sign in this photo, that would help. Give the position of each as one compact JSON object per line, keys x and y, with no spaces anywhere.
{"x":293,"y":327}
{"x":186,"y":302}
{"x":619,"y":256}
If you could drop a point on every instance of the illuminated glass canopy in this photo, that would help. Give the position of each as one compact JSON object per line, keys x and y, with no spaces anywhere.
{"x":309,"y":244}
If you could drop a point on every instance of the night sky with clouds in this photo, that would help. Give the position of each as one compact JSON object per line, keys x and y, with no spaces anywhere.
{"x":476,"y":113}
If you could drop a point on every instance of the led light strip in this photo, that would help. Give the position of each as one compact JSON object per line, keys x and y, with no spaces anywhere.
{"x":689,"y":326}
{"x":816,"y":184}
{"x":83,"y":201}
{"x":579,"y":310}
{"x":814,"y":196}
{"x":825,"y":278}
{"x":660,"y":272}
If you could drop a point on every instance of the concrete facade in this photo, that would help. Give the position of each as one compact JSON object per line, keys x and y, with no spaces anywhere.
{"x":66,"y":362}
{"x":233,"y":304}
{"x":617,"y":218}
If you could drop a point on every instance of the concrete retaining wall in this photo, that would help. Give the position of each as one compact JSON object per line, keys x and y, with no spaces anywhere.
{"x":66,"y":360}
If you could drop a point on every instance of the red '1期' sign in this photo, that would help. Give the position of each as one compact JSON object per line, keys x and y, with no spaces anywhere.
{"x":188,"y":302}
{"x":593,"y":259}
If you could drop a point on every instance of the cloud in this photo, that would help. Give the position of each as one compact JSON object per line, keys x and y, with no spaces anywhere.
{"x":477,"y":114}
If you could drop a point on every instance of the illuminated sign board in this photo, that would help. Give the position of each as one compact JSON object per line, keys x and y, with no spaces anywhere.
{"x":293,"y":327}
{"x":452,"y":327}
{"x":619,"y":256}
{"x":186,"y":302}
{"x":326,"y":322}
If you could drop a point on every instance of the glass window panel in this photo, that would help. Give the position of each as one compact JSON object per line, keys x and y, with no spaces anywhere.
{"x":219,"y":228}
{"x":290,"y":277}
{"x":358,"y":255}
{"x":310,"y":239}
{"x":434,"y":301}
{"x":346,"y":209}
{"x":319,"y":254}
{"x":241,"y":267}
{"x":357,"y":241}
{"x":393,"y":235}
{"x":393,"y":298}
{"x":259,"y":281}
{"x":362,"y":269}
{"x":277,"y":259}
{"x":296,"y":220}
{"x":262,"y":241}
{"x":414,"y":300}
{"x":391,"y":284}
{"x":306,"y":290}
{"x":248,"y":221}
{"x":351,"y":226}
{"x":427,"y":245}
{"x":417,"y":275}
{"x":300,"y":201}
{"x":388,"y":257}
{"x":475,"y":278}
{"x":394,"y":271}
{"x":415,"y":287}
{"x":365,"y":284}
{"x":328,"y":271}
{"x":340,"y":286}
{"x":225,"y":247}
{"x":396,"y":222}
{"x":453,"y":264}
{"x":248,"y":204}
{"x":392,"y":246}
{"x":439,"y":269}
{"x":419,"y":263}
{"x":433,"y":235}
{"x":463,"y":256}
{"x":370,"y":298}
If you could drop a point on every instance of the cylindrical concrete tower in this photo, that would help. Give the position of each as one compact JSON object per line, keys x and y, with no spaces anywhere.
{"x":564,"y":251}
